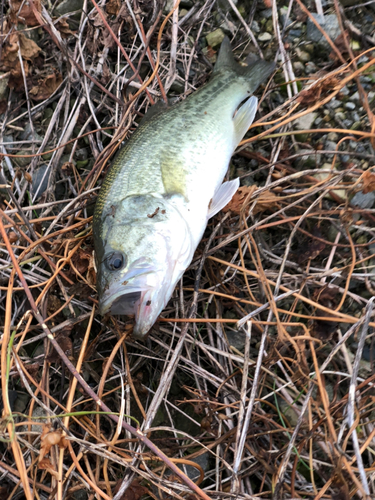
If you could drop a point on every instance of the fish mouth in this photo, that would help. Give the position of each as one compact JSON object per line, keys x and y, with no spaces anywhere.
{"x":134,"y":302}
{"x":135,"y":294}
{"x":123,"y":303}
{"x":122,"y":296}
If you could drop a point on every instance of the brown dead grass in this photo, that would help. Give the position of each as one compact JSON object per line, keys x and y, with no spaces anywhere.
{"x":253,"y":381}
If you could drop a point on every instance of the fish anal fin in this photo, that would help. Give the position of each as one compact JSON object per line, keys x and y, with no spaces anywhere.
{"x":222,"y":197}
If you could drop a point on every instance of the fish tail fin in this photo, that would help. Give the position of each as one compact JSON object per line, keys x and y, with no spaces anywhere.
{"x":248,"y":79}
{"x":254,"y":74}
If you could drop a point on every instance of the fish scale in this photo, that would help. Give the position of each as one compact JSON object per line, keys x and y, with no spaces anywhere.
{"x":164,"y":185}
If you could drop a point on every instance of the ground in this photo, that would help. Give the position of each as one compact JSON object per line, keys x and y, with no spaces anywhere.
{"x":259,"y":385}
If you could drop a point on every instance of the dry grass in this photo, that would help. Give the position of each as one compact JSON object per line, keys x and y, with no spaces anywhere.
{"x":254,"y":381}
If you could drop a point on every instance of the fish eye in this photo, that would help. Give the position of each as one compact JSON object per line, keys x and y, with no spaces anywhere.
{"x":115,"y":261}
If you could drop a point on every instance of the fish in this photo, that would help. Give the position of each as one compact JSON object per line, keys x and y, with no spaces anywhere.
{"x":164,"y":185}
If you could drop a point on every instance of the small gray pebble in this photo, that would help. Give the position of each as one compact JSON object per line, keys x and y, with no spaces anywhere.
{"x":356,"y":117}
{"x":354,"y":97}
{"x":334,"y":103}
{"x":302,"y":55}
{"x":267,"y":13}
{"x":81,"y":154}
{"x":329,"y":23}
{"x":345,"y":90}
{"x":265,"y":37}
{"x":330,"y":146}
{"x":365,"y":79}
{"x":363,"y":200}
{"x":40,"y":180}
{"x":299,"y":66}
{"x":255,"y":26}
{"x":333,"y":136}
{"x":311,"y":67}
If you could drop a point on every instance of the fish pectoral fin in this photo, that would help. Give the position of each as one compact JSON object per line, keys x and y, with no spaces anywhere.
{"x":222,"y":196}
{"x":244,"y":118}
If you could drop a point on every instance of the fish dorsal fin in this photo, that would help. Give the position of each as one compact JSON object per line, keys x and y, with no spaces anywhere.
{"x":222,"y":197}
{"x":255,"y":73}
{"x":155,"y":110}
{"x":244,"y":117}
{"x":251,"y":76}
{"x":225,"y":59}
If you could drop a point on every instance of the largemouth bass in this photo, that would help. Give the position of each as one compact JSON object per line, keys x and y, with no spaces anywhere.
{"x":164,"y":185}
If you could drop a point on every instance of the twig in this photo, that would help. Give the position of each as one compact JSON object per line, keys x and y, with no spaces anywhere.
{"x":352,"y":390}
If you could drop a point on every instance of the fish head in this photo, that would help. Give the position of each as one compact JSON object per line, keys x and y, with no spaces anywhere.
{"x":142,"y":247}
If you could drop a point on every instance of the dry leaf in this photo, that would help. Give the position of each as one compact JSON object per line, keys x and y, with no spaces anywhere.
{"x":46,"y":87}
{"x":112,"y":7}
{"x":81,"y":290}
{"x":266,"y":200}
{"x":3,"y":106}
{"x":46,"y":464}
{"x":134,"y":492}
{"x":326,"y":296}
{"x":310,"y":248}
{"x":206,"y":423}
{"x":81,"y":260}
{"x":29,"y":49}
{"x":368,"y":179}
{"x":4,"y":491}
{"x":27,"y":177}
{"x":26,"y":15}
{"x":10,"y":60}
{"x":68,"y":168}
{"x":16,"y":80}
{"x":53,"y":304}
{"x":91,"y":272}
{"x":313,"y":94}
{"x":12,"y":236}
{"x":66,"y":345}
{"x":106,"y":37}
{"x":62,"y":25}
{"x":341,"y":43}
{"x":33,"y":369}
{"x":9,"y":54}
{"x":48,"y":439}
{"x":301,"y":16}
{"x":106,"y":74}
{"x":340,"y":486}
{"x":243,"y":197}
